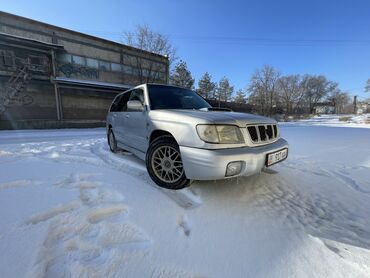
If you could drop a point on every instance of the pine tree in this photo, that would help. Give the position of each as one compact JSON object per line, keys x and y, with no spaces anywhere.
{"x":240,"y":97}
{"x":206,"y":88}
{"x":181,"y":76}
{"x":224,"y":90}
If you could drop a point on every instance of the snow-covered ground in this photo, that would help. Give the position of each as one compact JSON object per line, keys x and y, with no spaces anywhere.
{"x":70,"y":208}
{"x":359,"y":121}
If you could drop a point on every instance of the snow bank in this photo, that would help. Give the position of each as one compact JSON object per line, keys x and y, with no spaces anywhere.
{"x":359,"y":121}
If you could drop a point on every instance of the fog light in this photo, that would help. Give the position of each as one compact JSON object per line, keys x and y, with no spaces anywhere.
{"x":233,"y":168}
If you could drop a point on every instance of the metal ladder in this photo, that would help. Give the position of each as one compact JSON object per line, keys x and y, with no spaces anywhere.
{"x":16,"y":83}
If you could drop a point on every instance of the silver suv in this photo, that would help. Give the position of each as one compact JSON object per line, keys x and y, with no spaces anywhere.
{"x":182,"y":138}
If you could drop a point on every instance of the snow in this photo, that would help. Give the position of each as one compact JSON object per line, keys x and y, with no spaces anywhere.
{"x":358,"y":121}
{"x":70,"y":208}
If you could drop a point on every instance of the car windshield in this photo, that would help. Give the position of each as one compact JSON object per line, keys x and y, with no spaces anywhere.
{"x":167,"y":97}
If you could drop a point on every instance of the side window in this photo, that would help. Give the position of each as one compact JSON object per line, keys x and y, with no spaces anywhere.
{"x":138,"y":94}
{"x":122,"y":104}
{"x":114,"y":105}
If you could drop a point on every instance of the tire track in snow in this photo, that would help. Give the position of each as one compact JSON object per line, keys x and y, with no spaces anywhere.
{"x":184,"y":197}
{"x":313,"y":213}
{"x":348,"y":180}
{"x":96,"y":152}
{"x":15,"y":184}
{"x":339,"y":175}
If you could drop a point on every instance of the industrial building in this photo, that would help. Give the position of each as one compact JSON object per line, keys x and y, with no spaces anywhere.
{"x":53,"y":77}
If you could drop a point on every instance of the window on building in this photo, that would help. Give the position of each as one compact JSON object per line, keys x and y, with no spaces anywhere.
{"x":65,"y":58}
{"x":145,"y":63}
{"x":37,"y":60}
{"x":92,"y":63}
{"x":6,"y":58}
{"x":79,"y":60}
{"x":135,"y":71}
{"x":158,"y":75}
{"x":145,"y":72}
{"x":116,"y":67}
{"x":104,"y":66}
{"x":162,"y":76}
{"x":129,"y":60}
{"x":127,"y":69}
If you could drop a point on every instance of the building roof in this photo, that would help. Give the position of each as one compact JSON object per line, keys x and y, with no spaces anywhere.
{"x":80,"y":34}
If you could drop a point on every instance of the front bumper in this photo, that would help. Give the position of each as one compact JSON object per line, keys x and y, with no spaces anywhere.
{"x":204,"y":164}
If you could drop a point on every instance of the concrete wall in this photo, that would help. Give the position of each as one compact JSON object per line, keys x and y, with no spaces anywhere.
{"x":43,"y":102}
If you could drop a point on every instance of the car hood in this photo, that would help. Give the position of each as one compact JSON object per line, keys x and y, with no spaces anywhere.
{"x":215,"y":117}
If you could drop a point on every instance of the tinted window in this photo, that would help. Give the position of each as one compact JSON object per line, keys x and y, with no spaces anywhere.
{"x":115,"y":102}
{"x":120,"y":103}
{"x":167,"y":97}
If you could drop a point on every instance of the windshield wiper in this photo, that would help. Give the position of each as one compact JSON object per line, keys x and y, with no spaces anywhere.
{"x":221,"y":109}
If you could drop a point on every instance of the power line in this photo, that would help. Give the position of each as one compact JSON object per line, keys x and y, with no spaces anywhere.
{"x":242,"y":39}
{"x":273,"y":40}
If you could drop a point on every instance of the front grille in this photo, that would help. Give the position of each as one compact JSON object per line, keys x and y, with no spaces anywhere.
{"x":262,"y":133}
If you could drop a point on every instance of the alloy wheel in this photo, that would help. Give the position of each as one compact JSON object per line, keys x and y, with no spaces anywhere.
{"x":167,"y":165}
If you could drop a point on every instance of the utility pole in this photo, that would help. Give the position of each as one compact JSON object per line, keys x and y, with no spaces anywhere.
{"x":335,"y":105}
{"x":355,"y":104}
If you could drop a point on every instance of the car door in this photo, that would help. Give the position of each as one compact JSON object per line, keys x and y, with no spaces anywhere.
{"x":112,"y":115}
{"x":119,"y":118}
{"x":136,"y":123}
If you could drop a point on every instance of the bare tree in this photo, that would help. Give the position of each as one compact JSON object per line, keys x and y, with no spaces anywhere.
{"x":206,"y":88}
{"x":181,"y":76}
{"x":290,"y":92}
{"x":263,"y":89}
{"x":146,"y":39}
{"x":316,"y":88}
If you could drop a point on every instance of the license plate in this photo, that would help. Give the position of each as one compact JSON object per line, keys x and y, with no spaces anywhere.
{"x":276,"y":157}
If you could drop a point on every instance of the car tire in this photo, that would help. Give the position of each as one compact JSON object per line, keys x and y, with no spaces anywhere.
{"x":164,"y":164}
{"x":112,"y":141}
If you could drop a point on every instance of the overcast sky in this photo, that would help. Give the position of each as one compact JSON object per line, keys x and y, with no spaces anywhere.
{"x":234,"y":38}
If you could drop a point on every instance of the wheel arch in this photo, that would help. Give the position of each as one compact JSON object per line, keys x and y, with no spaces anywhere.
{"x":159,"y":133}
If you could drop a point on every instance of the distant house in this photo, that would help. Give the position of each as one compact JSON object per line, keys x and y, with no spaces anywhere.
{"x":363,"y":107}
{"x":324,"y":108}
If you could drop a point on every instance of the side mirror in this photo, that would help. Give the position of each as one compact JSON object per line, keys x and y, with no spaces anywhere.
{"x":134,"y":105}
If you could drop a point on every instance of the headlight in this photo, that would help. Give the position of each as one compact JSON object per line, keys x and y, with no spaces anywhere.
{"x":222,"y":134}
